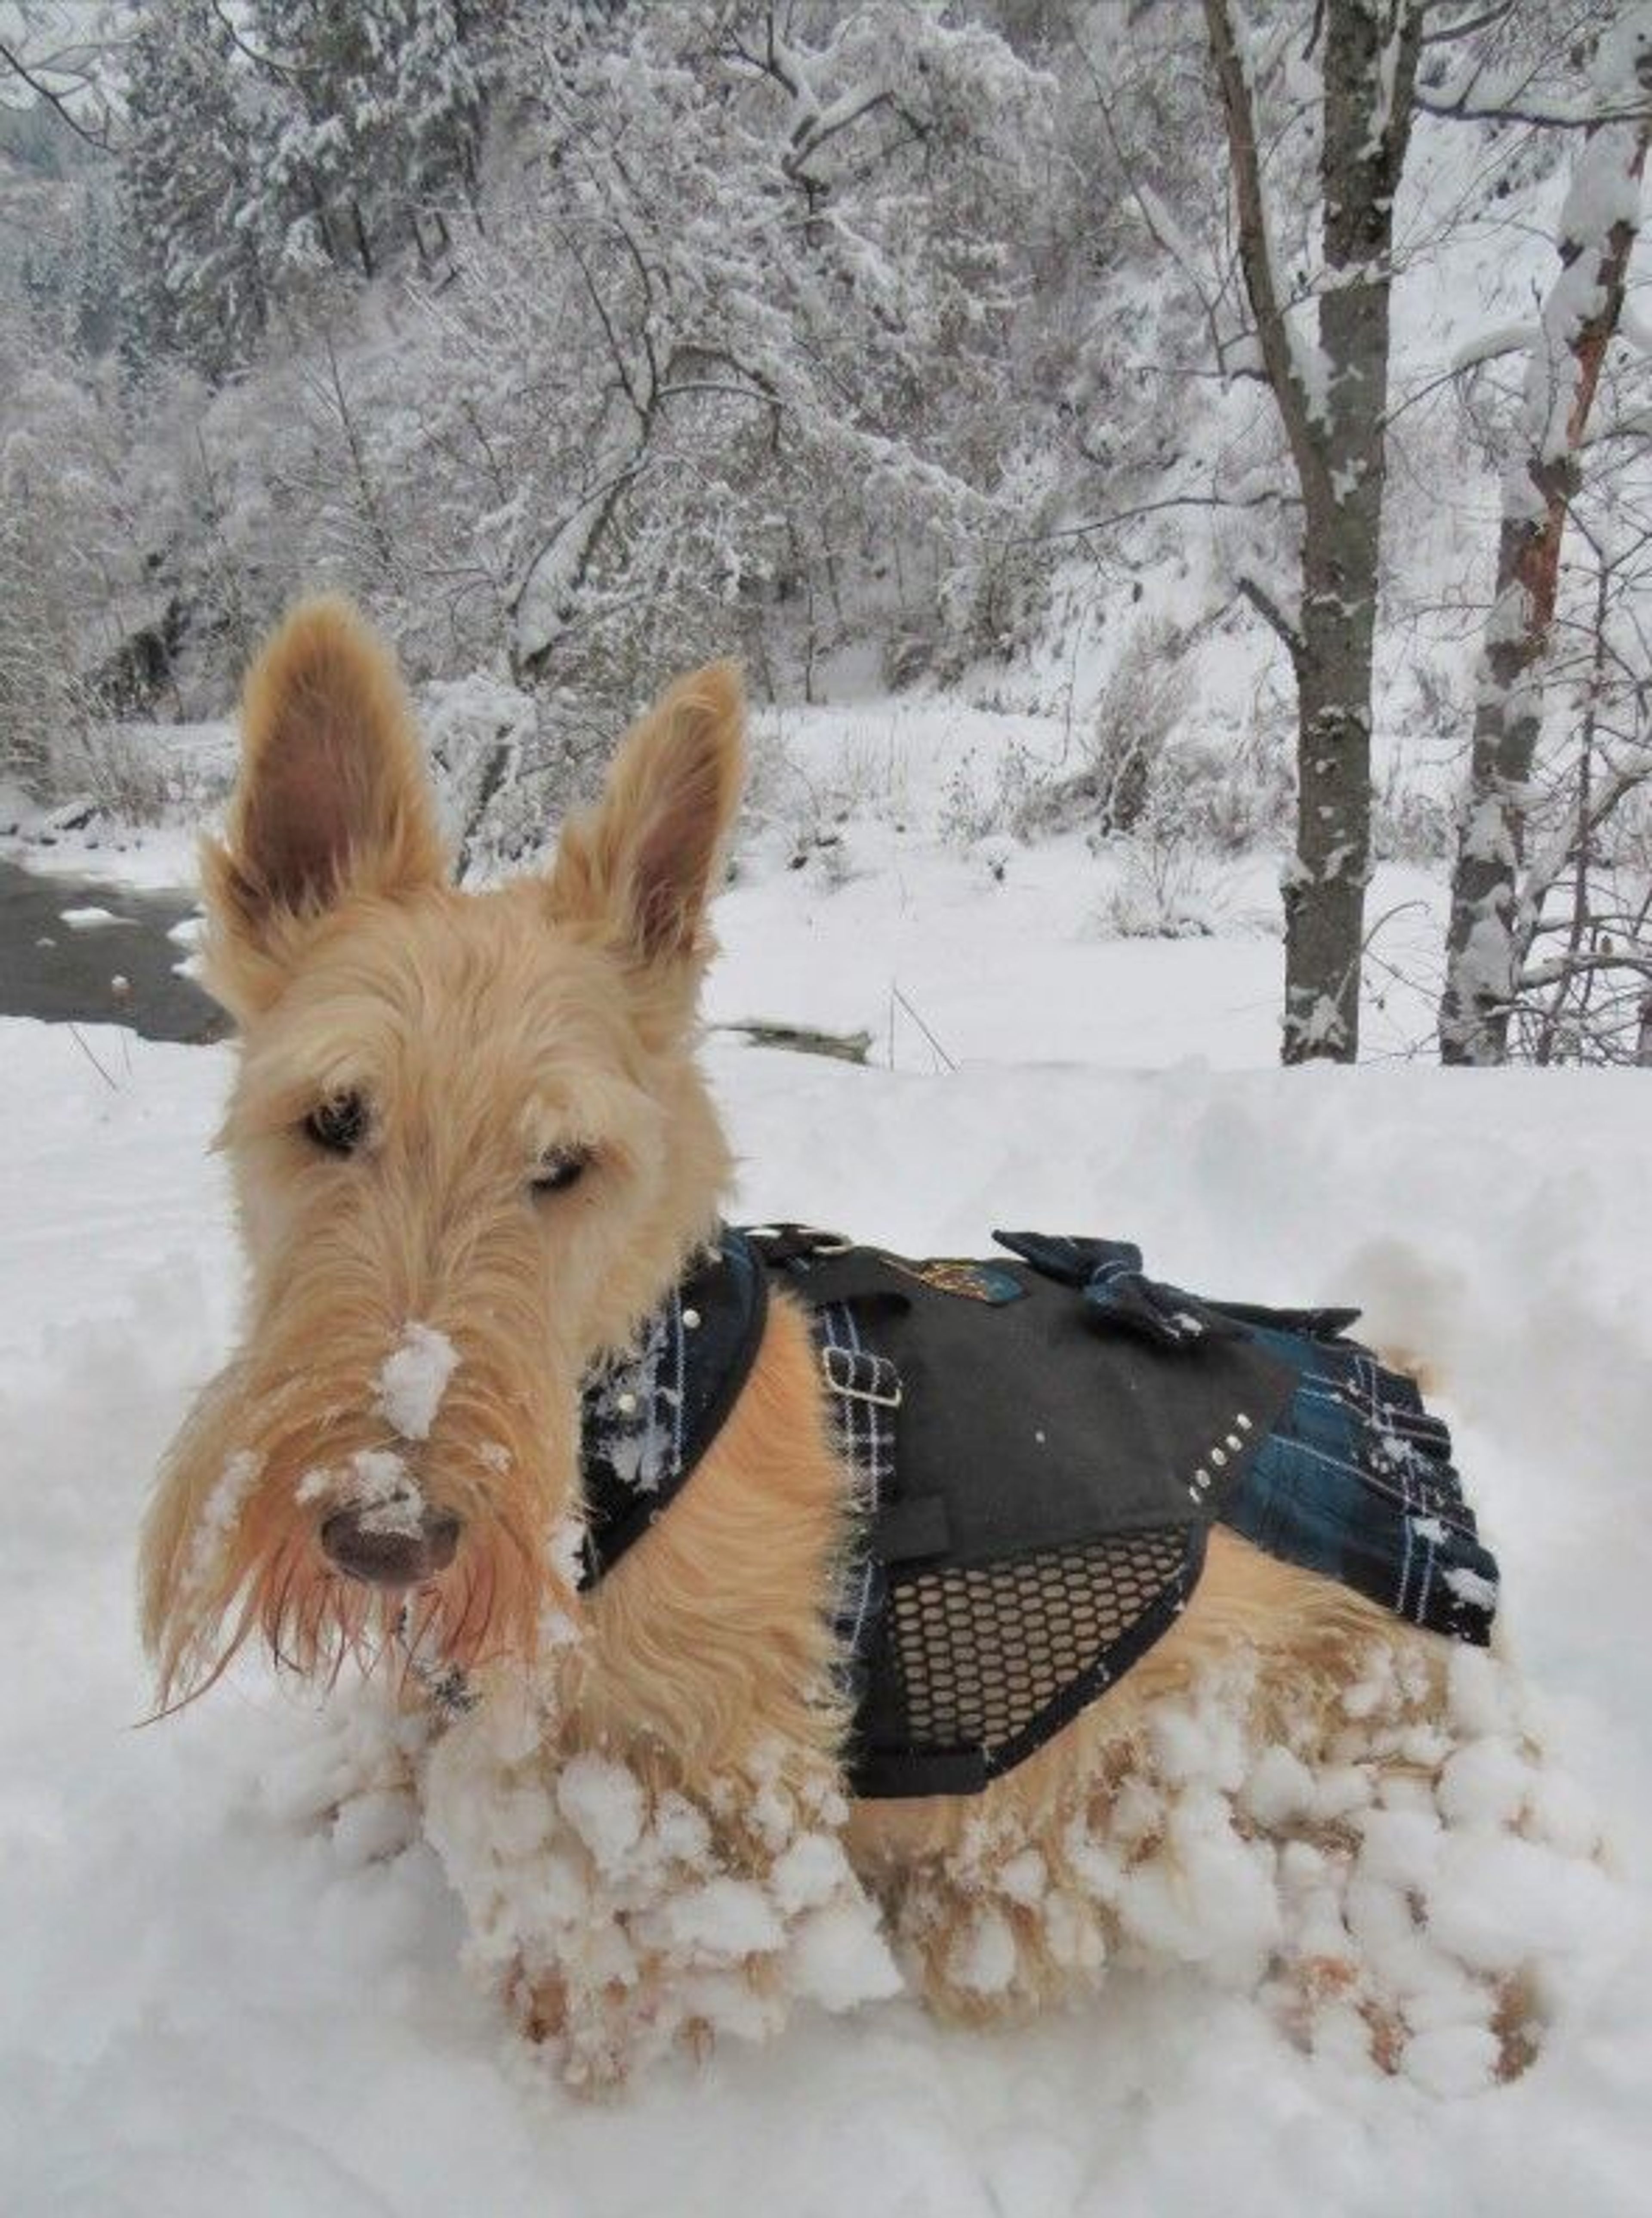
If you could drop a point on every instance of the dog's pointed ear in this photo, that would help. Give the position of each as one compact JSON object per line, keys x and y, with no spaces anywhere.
{"x":641,"y":867}
{"x":332,"y":797}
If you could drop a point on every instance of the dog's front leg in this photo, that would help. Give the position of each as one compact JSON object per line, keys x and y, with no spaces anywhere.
{"x":623,"y":1915}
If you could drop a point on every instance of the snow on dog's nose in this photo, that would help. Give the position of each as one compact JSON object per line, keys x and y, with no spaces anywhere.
{"x":387,"y":1535}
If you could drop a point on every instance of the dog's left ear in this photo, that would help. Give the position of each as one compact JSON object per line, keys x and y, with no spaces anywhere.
{"x":642,"y":865}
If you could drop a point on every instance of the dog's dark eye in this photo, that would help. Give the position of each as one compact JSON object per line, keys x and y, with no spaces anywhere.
{"x":559,"y":1168}
{"x":339,"y":1125}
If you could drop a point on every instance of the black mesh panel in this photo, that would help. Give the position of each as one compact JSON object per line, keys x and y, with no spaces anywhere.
{"x":982,"y":1655}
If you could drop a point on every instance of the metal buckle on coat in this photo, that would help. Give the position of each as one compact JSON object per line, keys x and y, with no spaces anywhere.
{"x":847,"y":1372}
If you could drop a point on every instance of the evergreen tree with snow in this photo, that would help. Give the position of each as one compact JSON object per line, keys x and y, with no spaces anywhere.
{"x":192,"y":196}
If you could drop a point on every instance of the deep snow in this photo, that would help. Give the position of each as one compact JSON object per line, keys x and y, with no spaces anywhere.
{"x":218,"y":1995}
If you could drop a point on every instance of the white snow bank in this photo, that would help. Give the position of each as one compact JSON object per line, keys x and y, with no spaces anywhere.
{"x":140,"y":858}
{"x":220,"y":1988}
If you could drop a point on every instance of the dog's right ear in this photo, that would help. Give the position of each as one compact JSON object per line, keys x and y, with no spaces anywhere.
{"x":332,"y":798}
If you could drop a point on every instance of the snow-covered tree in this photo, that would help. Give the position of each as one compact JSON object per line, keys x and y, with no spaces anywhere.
{"x":63,"y":550}
{"x":196,"y":225}
{"x":62,"y":60}
{"x":673,"y":397}
{"x":1493,"y":915}
{"x":375,"y":120}
{"x":1582,"y":935}
{"x":1328,"y":374}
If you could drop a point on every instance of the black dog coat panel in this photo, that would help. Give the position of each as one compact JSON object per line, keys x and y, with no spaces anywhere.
{"x":1039,"y":1447}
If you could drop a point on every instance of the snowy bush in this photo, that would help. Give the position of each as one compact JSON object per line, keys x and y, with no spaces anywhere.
{"x":1165,"y":889}
{"x":1238,"y":792}
{"x":489,"y":763}
{"x":136,"y":775}
{"x":1014,"y":794}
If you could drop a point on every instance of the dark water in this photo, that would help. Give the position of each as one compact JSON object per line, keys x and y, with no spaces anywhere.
{"x":48,"y":970}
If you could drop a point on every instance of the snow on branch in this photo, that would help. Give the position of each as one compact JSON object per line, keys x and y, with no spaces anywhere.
{"x":1615,"y":90}
{"x":69,"y":78}
{"x":1263,"y":497}
{"x":1492,"y":345}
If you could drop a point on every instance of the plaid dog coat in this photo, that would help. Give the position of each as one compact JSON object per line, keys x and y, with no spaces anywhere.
{"x":1039,"y":1448}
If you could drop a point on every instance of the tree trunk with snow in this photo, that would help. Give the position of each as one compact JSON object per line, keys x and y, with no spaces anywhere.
{"x":1332,"y":395}
{"x":1596,"y":234}
{"x":546,"y":604}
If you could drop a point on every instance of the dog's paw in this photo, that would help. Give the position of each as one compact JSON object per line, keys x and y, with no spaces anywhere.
{"x":594,"y":2042}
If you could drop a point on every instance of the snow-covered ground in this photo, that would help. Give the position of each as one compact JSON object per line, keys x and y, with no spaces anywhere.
{"x":216,"y":1997}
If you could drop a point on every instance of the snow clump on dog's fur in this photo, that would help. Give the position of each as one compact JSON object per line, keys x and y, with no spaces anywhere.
{"x":633,"y":1918}
{"x":1412,"y":1882}
{"x":1423,"y":1893}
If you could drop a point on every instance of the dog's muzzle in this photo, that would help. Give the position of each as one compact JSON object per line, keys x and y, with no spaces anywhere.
{"x":378,"y":1558}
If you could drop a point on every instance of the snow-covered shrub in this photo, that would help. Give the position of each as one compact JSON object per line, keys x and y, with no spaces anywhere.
{"x":495,"y":783}
{"x":1235,"y":793}
{"x":1164,"y":889}
{"x":1131,"y":730}
{"x":814,"y":805}
{"x":1014,"y":796}
{"x":133,"y":775}
{"x":1149,"y":770}
{"x":1143,"y":705}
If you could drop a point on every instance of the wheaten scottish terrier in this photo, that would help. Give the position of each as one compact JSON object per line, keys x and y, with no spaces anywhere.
{"x":712,"y":1706}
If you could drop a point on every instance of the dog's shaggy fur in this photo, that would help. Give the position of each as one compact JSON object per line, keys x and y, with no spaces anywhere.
{"x":644,"y":1809}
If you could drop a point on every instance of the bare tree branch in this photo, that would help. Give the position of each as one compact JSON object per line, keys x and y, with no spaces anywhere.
{"x":1267,"y":497}
{"x":1498,"y":12}
{"x":1547,"y":119}
{"x":1272,"y":614}
{"x":102,"y":138}
{"x":1255,"y":247}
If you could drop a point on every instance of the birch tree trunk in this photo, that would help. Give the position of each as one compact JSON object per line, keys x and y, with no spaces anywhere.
{"x":1331,"y":395}
{"x":1597,"y":228}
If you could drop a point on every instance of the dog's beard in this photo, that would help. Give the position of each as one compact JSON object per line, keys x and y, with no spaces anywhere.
{"x":233,"y":1556}
{"x":314,"y":1622}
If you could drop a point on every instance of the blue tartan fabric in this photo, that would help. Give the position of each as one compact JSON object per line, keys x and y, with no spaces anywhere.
{"x":865,"y":1394}
{"x":1356,"y":1480}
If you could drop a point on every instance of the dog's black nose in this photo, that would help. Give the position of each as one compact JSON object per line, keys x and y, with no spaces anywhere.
{"x":361,"y":1544}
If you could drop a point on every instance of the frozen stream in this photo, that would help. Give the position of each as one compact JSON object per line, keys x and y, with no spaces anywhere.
{"x":72,"y":950}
